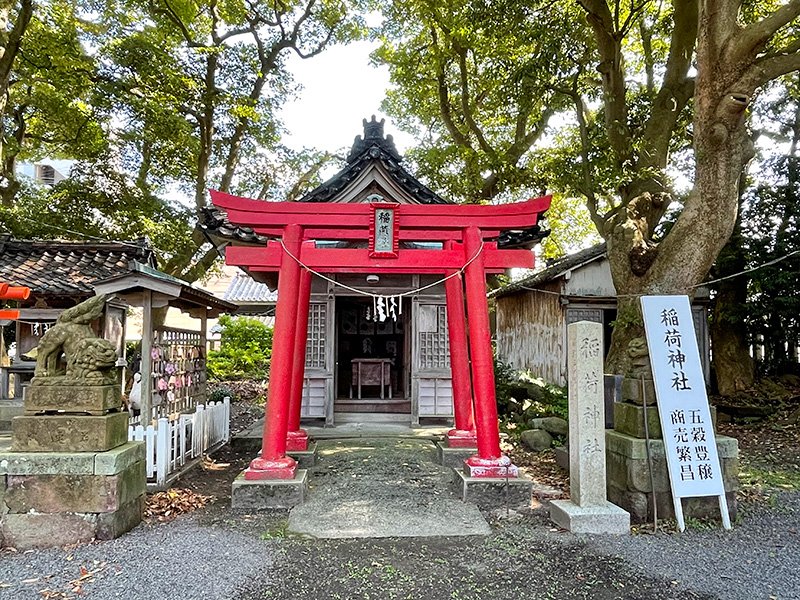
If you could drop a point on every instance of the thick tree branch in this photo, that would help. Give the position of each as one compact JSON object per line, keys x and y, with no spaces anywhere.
{"x":466,"y":107}
{"x":676,"y":89}
{"x":752,"y":39}
{"x":13,"y":42}
{"x":766,"y":69}
{"x":443,"y":94}
{"x":611,"y":68}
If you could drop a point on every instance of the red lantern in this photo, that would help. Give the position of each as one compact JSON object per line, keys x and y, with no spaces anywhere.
{"x":11,"y":292}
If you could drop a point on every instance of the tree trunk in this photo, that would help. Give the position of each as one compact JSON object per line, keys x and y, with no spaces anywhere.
{"x":680,"y":262}
{"x":734,"y":368}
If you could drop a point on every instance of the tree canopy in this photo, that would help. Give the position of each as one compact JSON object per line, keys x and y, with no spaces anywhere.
{"x":653,"y":87}
{"x":158,"y":100}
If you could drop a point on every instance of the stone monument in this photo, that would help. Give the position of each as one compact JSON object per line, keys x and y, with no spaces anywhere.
{"x":71,"y":475}
{"x":587,"y":510}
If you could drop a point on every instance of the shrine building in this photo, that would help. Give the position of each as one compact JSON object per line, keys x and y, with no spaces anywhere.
{"x":382,"y":265}
{"x":344,"y":336}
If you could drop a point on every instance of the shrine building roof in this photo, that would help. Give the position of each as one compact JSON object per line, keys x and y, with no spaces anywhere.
{"x":374,"y":147}
{"x":63,"y":268}
{"x":373,"y":167}
{"x":554,"y":270}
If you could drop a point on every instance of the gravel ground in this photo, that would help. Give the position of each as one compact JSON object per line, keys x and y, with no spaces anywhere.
{"x":181,"y":559}
{"x":219,"y":554}
{"x":759,"y":558}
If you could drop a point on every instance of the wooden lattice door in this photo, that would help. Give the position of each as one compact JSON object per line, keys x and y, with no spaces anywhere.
{"x":318,"y":381}
{"x":432,"y":391}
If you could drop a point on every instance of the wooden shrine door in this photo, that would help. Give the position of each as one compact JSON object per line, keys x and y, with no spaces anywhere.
{"x":431,"y":379}
{"x":318,"y":382}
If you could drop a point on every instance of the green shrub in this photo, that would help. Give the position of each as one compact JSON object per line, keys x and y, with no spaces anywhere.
{"x":220,"y":393}
{"x":245,"y":350}
{"x":522,"y":397}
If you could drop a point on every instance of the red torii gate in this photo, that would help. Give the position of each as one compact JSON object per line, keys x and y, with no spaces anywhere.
{"x":466,"y":232}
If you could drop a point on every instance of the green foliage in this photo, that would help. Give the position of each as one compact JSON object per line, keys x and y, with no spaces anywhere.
{"x":220,"y":393}
{"x":771,"y":220}
{"x":522,"y":397}
{"x":157,"y":100}
{"x":246,"y":347}
{"x":477,"y":83}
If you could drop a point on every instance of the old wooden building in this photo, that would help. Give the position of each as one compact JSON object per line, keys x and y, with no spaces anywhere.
{"x":359,"y":368}
{"x":533,"y":313}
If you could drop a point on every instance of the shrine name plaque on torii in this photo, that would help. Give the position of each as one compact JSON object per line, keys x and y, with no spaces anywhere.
{"x":468,"y":234}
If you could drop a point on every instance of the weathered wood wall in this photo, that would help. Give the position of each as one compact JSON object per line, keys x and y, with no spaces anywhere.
{"x":530,"y":332}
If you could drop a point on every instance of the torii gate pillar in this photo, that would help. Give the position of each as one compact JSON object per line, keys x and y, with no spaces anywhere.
{"x":463,"y":436}
{"x":273,"y":462}
{"x":297,"y":439}
{"x":489,"y":461}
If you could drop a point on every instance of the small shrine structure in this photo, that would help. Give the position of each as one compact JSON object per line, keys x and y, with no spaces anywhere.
{"x":367,"y":246}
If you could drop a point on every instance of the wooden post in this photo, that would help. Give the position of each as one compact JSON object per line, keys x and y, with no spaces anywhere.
{"x":202,"y":389}
{"x":298,"y":438}
{"x":489,"y":462}
{"x":146,"y":364}
{"x":273,"y":462}
{"x":463,"y":436}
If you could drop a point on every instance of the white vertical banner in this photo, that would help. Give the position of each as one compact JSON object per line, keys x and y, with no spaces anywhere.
{"x":689,"y":443}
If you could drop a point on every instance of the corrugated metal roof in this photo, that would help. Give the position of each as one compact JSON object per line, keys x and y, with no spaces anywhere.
{"x":245,"y":289}
{"x":559,"y":267}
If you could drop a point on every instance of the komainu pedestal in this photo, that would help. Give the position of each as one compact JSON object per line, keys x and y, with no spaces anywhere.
{"x":71,"y":475}
{"x":91,"y":399}
{"x":61,"y":498}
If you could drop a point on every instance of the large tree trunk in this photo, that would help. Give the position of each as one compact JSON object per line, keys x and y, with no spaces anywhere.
{"x":734,"y":368}
{"x":678,"y":263}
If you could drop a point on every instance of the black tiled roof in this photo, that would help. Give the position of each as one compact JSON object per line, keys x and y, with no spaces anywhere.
{"x":215,"y":222}
{"x":373,"y":147}
{"x":67,"y":268}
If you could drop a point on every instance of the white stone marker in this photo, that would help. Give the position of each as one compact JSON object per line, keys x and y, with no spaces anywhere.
{"x":588,"y":510}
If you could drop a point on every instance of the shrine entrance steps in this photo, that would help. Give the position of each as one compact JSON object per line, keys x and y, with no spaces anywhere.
{"x":374,"y":405}
{"x":369,"y":487}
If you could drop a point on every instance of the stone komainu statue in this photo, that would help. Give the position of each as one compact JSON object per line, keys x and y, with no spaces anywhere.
{"x":90,"y":360}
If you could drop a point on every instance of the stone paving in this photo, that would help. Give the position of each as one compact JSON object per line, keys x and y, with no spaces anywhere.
{"x":379,"y":487}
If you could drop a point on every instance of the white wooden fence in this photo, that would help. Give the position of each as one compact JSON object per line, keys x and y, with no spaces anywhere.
{"x":171,"y":444}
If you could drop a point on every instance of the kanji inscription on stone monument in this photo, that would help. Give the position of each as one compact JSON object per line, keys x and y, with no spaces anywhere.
{"x":588,"y":510}
{"x":588,"y":466}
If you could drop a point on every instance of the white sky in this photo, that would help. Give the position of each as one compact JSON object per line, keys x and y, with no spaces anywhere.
{"x":340,"y":88}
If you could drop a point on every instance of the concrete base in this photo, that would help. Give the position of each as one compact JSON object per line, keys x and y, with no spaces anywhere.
{"x":269,"y":493}
{"x":55,"y":499}
{"x":590,"y":519}
{"x":305,"y":458}
{"x":452,"y":457}
{"x":69,"y":433}
{"x":492,"y":492}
